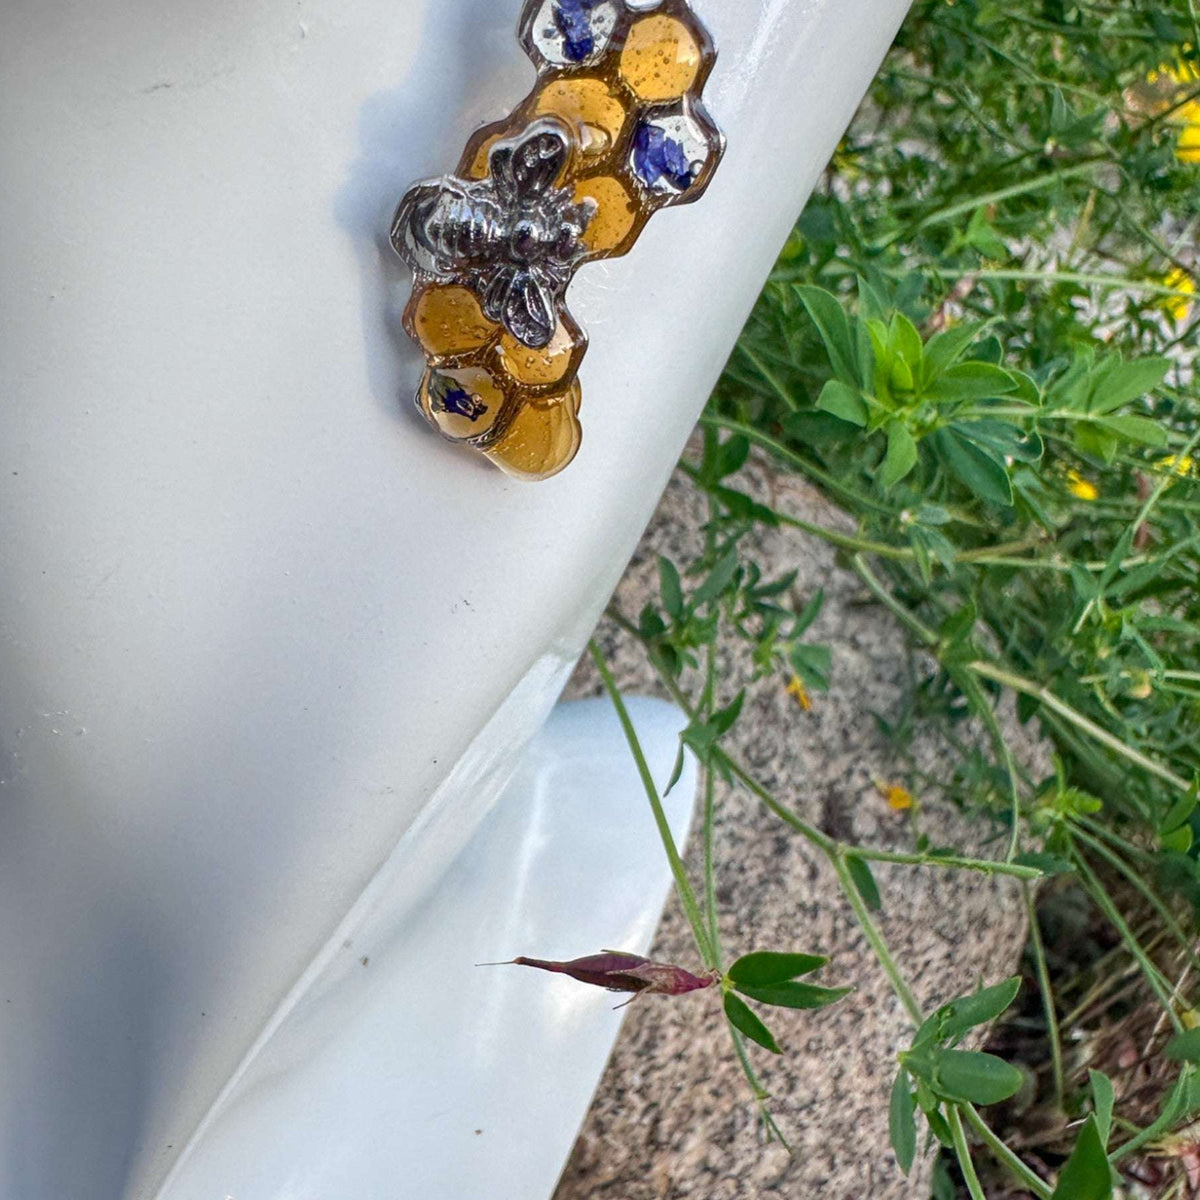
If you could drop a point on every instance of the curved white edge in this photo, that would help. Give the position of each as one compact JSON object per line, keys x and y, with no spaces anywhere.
{"x":403,"y":1069}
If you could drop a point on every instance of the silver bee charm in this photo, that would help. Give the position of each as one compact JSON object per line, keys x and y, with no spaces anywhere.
{"x":514,"y":237}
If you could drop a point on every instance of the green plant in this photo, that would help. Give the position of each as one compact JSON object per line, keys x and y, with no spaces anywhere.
{"x":979,"y":343}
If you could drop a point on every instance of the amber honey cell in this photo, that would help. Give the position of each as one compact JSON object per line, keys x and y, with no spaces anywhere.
{"x":448,"y":320}
{"x":542,"y":439}
{"x":539,"y":368}
{"x":589,"y":107}
{"x":661,"y":58}
{"x":615,"y":216}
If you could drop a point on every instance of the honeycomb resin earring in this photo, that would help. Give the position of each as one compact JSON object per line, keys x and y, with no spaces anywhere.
{"x":613,"y":130}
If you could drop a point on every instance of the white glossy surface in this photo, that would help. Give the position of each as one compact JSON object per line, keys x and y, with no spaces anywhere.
{"x":252,"y":613}
{"x":417,"y":1073}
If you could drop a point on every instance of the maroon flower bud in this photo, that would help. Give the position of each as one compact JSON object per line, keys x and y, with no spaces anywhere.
{"x":619,"y":972}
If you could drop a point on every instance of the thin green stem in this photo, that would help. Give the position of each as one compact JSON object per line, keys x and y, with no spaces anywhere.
{"x":1104,"y":902}
{"x":963,"y":1153}
{"x":1096,"y":732}
{"x":875,"y":938}
{"x":1005,"y":1156}
{"x":1053,"y":1033}
{"x":683,"y":886}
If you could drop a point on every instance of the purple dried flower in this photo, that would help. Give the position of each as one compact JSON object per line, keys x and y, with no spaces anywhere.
{"x":618,"y":972}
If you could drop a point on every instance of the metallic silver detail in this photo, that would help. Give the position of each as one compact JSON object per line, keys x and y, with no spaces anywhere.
{"x":515,"y":237}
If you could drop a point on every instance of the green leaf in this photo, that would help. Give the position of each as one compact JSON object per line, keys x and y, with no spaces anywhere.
{"x":974,"y":1076}
{"x":958,"y":1017}
{"x":944,"y":349}
{"x":1185,"y":1047}
{"x":719,"y":579}
{"x":907,"y":340}
{"x":1179,"y":841}
{"x":843,"y":401}
{"x":971,"y":381}
{"x":982,"y":236}
{"x":1180,"y":812}
{"x":830,"y":319}
{"x":864,"y":880}
{"x":901,"y":455}
{"x":978,"y":470}
{"x":1104,"y":1098}
{"x":765,"y":967}
{"x":671,"y":587}
{"x":1136,"y":429}
{"x":1048,"y":864}
{"x":813,"y":663}
{"x":902,"y":1123}
{"x":1086,"y":1174}
{"x":794,"y":995}
{"x":1117,"y":383}
{"x":744,"y":1021}
{"x":723,"y":720}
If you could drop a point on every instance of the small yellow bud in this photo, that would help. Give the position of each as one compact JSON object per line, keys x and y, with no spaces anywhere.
{"x":1082,"y":489}
{"x":899,"y":799}
{"x":797,"y":689}
{"x":1179,"y":306}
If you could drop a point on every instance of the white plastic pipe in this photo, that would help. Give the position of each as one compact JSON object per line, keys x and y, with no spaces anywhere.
{"x":256,"y":622}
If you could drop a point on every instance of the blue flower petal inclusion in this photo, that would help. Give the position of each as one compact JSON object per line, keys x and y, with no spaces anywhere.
{"x":575,"y":24}
{"x":657,"y":156}
{"x":462,"y":404}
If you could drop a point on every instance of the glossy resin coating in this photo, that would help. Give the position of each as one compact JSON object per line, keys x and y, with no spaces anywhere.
{"x":613,"y":130}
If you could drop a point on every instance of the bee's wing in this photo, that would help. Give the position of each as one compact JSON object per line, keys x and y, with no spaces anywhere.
{"x":495,"y":295}
{"x":529,"y":310}
{"x":528,"y":165}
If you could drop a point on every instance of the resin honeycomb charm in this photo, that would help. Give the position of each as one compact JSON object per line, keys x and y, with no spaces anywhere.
{"x":613,"y":131}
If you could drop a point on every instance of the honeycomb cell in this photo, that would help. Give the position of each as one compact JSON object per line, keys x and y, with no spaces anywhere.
{"x":464,"y":403}
{"x":615,"y":214}
{"x":538,"y":367}
{"x":661,"y":58}
{"x":448,"y":320}
{"x":589,"y":106}
{"x":543,"y":438}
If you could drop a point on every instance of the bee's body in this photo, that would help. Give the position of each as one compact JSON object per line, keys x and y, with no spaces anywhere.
{"x":463,"y":228}
{"x":515,"y":237}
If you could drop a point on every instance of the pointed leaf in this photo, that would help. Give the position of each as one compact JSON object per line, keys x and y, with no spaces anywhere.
{"x":1086,"y":1175}
{"x":843,"y":401}
{"x":864,"y":880}
{"x":974,"y":1076}
{"x":901,"y":455}
{"x":1104,"y":1098}
{"x":794,"y":995}
{"x":671,"y":587}
{"x":832,"y":324}
{"x":744,"y":1021}
{"x":765,"y":967}
{"x":902,"y":1123}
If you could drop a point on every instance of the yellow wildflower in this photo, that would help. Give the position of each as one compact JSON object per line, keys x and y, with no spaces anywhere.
{"x":1178,"y":465}
{"x":1187,"y":149}
{"x":1180,"y":73}
{"x":1178,"y":307}
{"x":796,"y":688}
{"x":1083,"y":489}
{"x":899,"y":799}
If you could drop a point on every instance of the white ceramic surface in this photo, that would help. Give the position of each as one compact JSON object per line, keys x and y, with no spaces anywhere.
{"x":404,"y":1070}
{"x":253,"y":614}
